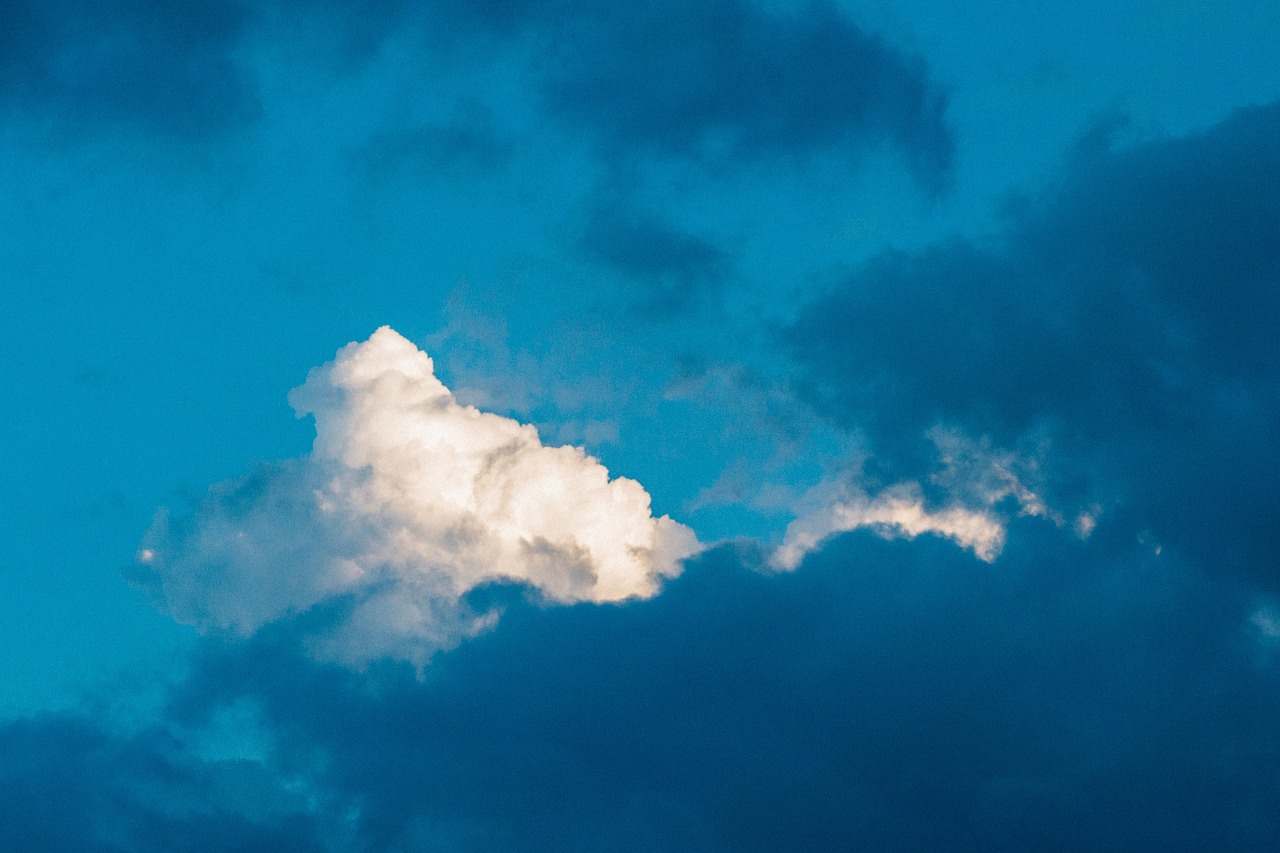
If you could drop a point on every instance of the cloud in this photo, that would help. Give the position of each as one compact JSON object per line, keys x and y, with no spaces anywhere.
{"x":890,"y":695}
{"x":895,"y":512}
{"x":712,"y":84}
{"x":968,"y":499}
{"x":1121,"y":328}
{"x":408,"y":501}
{"x":167,"y":68}
{"x":716,"y":81}
{"x":69,"y":782}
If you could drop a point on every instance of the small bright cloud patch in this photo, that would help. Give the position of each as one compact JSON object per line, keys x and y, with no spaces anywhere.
{"x":408,"y":501}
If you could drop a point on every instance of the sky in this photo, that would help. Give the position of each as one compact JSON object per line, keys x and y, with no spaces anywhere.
{"x":724,"y":426}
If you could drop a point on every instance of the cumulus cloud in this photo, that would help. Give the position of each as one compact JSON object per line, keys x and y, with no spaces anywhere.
{"x":408,"y":501}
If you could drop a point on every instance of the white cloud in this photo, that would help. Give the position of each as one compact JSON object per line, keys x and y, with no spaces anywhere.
{"x":896,"y":512}
{"x":982,"y":484}
{"x":408,"y":500}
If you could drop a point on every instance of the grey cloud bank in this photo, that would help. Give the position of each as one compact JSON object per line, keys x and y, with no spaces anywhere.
{"x":888,"y":696}
{"x":1126,"y":318}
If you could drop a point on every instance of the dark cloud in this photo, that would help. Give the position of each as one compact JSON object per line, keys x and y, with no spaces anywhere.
{"x":162,"y":67}
{"x":726,"y":80}
{"x":1128,"y":315}
{"x":709,"y":83}
{"x":70,"y":784}
{"x":888,"y":696}
{"x":673,"y":270}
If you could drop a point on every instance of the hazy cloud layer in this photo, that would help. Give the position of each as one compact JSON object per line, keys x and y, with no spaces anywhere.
{"x":408,"y":501}
{"x":160,"y":67}
{"x":677,"y":271}
{"x":465,"y":145}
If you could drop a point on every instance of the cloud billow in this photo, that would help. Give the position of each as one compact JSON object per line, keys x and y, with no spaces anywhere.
{"x":1125,"y":320}
{"x":890,"y":695}
{"x":408,"y":501}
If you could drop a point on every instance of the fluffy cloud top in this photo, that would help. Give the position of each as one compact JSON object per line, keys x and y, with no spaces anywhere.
{"x":408,"y":501}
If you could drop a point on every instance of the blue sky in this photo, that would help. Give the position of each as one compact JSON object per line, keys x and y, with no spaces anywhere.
{"x":934,"y":348}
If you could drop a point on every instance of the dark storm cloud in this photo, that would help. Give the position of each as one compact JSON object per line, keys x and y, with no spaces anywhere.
{"x":158,"y":66}
{"x":1129,"y":314}
{"x":673,"y":269}
{"x":725,"y":79}
{"x":69,"y":784}
{"x":887,"y":696}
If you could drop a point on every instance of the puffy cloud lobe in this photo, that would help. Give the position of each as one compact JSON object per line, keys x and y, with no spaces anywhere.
{"x":408,"y":501}
{"x":898,"y":511}
{"x":1124,"y":320}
